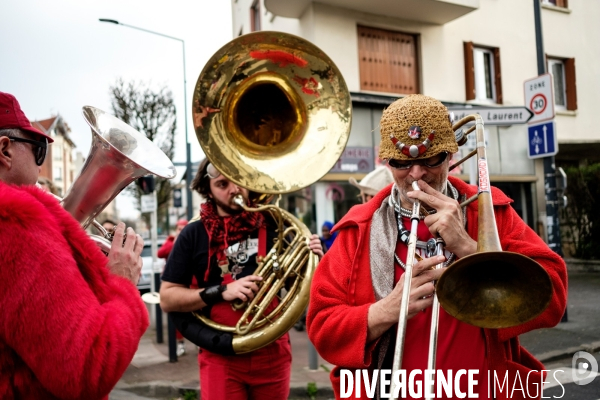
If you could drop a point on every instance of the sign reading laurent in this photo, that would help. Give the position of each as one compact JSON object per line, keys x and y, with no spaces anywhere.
{"x":495,"y":115}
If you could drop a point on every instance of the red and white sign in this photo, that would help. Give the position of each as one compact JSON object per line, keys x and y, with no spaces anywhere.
{"x":539,"y":98}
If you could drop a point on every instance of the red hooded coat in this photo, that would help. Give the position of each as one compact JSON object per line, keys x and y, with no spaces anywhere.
{"x":69,"y":328}
{"x":342,"y":292}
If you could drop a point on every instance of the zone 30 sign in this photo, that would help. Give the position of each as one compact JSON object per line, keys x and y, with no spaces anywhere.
{"x":539,"y":98}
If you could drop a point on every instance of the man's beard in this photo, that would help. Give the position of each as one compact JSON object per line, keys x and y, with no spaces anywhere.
{"x":230,"y":208}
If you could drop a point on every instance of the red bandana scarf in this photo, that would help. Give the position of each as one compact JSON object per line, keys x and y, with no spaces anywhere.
{"x":222,"y":232}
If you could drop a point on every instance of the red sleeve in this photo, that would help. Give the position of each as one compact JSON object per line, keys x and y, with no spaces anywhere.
{"x":166,"y":248}
{"x":337,"y":326}
{"x":74,"y":325}
{"x":517,"y":236}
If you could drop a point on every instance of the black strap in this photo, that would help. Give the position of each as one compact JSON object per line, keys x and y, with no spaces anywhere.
{"x":213,"y":294}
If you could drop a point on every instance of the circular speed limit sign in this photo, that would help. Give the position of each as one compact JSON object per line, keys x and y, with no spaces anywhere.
{"x":538,"y":104}
{"x":539,"y":98}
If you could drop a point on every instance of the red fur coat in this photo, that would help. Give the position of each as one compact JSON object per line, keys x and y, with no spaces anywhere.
{"x":68,"y":327}
{"x":342,"y":291}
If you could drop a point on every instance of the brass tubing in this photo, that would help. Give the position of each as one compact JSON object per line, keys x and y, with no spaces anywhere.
{"x":462,"y":160}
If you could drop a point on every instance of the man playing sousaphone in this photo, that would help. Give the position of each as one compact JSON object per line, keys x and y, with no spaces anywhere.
{"x":72,"y":318}
{"x":220,"y":250}
{"x":356,"y":293}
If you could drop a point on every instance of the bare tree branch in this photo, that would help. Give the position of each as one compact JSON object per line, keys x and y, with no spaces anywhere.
{"x":153,"y":114}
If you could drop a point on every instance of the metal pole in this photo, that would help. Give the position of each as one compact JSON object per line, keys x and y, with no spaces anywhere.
{"x":313,"y":357}
{"x":552,"y":221}
{"x":155,"y":274}
{"x":188,"y":151}
{"x":172,"y":340}
{"x":159,"y":321}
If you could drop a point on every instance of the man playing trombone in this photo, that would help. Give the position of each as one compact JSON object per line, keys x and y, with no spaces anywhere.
{"x":355,"y":305}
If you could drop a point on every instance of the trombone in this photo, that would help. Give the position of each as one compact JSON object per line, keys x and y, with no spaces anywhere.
{"x":490,"y":288}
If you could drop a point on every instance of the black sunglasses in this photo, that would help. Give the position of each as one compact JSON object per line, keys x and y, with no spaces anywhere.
{"x":431,"y":162}
{"x":39,"y":148}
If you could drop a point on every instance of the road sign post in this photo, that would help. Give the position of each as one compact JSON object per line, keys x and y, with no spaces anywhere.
{"x":543,"y":143}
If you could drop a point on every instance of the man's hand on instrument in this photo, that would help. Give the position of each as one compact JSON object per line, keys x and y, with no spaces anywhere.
{"x":124,"y":258}
{"x":244,"y":288}
{"x":447,"y":222}
{"x":421,"y":287}
{"x":386,"y":312}
{"x":315,"y":245}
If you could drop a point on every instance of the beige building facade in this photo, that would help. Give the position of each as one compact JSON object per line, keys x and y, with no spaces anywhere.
{"x":466,"y":53}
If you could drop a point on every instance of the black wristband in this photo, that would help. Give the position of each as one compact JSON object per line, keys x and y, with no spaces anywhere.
{"x":212,"y":295}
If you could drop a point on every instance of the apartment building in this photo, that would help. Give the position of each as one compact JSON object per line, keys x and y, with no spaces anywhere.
{"x":59,"y":166}
{"x":466,"y":53}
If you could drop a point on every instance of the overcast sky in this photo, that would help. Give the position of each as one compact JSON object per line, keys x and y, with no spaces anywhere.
{"x":57,"y":56}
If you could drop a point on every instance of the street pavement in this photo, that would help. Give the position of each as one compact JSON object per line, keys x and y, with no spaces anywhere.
{"x":152,"y":376}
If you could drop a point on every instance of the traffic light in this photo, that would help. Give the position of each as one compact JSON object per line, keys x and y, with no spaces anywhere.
{"x":146,"y":184}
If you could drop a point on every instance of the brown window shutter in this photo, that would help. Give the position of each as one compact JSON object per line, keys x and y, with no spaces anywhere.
{"x":469,"y":71}
{"x":498,"y":77}
{"x":387,"y":61}
{"x":561,"y":3}
{"x":571,"y":84}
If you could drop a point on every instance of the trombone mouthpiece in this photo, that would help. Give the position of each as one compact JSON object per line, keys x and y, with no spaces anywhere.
{"x":239,"y":200}
{"x":415,"y":185}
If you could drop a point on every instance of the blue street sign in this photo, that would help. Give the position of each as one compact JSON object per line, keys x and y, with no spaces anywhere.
{"x":542,"y":140}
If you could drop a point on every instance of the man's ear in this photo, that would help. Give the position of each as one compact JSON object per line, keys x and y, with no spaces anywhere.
{"x":6,"y":152}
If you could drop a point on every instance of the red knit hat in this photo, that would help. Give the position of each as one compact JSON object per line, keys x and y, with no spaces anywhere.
{"x":12,"y":117}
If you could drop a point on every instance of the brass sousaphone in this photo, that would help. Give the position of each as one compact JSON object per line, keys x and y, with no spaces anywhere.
{"x":272,"y":113}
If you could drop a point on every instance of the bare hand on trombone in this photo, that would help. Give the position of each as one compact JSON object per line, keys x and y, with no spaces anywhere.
{"x":447,"y":222}
{"x":385,"y":313}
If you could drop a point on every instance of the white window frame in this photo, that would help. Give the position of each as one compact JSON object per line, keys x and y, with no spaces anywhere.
{"x":560,"y":93}
{"x":57,"y":152}
{"x":483,"y":73}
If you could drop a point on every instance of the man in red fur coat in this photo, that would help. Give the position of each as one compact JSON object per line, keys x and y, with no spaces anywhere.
{"x":357,"y":289}
{"x":71,"y":318}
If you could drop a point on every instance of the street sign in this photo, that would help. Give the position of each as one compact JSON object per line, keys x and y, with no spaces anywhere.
{"x":542,"y":140}
{"x":495,"y":115}
{"x":148,"y":202}
{"x":539,"y":97}
{"x":177,"y":197}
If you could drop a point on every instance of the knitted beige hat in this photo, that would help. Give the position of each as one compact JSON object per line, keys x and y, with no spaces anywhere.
{"x":374,"y":181}
{"x":414,"y":127}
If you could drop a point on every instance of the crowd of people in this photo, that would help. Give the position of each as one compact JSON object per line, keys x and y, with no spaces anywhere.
{"x":54,"y":276}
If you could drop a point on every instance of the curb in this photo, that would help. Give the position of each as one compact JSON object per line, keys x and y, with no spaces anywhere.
{"x":568,"y":352}
{"x":167,"y":389}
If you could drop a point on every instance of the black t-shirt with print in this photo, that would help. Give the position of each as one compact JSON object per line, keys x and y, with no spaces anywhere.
{"x":189,"y":256}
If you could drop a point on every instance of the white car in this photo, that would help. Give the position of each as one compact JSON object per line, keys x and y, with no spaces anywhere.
{"x":145,"y":283}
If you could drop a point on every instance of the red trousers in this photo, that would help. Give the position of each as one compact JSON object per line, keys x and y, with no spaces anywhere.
{"x":262,"y":374}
